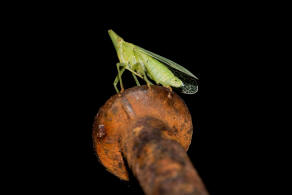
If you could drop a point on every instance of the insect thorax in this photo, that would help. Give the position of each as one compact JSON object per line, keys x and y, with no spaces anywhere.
{"x":128,"y":57}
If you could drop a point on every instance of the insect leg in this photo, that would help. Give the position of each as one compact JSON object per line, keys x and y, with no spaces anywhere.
{"x":142,"y":70}
{"x":170,"y":91}
{"x":117,"y":79}
{"x":134,"y":68}
{"x":120,"y":76}
{"x":115,"y":84}
{"x":147,"y":81}
{"x":134,"y":73}
{"x":136,"y":80}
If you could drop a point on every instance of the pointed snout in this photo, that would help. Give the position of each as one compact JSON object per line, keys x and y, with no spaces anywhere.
{"x":116,"y":39}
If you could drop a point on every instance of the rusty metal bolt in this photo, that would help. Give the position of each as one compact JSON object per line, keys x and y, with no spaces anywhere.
{"x":152,"y":132}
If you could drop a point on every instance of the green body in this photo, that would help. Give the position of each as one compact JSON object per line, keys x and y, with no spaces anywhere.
{"x":139,"y":63}
{"x":159,"y":72}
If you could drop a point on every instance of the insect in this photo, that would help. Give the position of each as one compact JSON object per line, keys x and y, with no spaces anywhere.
{"x":143,"y":63}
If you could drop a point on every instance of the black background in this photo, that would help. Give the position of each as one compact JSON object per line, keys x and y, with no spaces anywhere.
{"x":68,"y":74}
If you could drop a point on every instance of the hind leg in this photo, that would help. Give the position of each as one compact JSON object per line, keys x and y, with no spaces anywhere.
{"x":170,"y":90}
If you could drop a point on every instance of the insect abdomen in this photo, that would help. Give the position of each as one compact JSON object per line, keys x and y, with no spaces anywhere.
{"x":157,"y":71}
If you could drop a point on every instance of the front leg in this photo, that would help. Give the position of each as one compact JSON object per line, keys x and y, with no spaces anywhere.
{"x":117,"y":79}
{"x":120,"y":76}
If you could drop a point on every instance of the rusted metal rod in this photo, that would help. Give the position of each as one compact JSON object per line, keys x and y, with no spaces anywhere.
{"x":152,"y":131}
{"x":160,"y":164}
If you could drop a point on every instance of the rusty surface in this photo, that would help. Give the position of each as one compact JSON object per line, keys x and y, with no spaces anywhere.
{"x":152,"y":130}
{"x":160,"y":164}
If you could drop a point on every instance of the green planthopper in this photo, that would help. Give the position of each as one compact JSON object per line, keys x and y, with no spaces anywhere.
{"x":143,"y":63}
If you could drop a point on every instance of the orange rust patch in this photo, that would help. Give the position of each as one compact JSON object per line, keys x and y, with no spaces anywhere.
{"x":120,"y":112}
